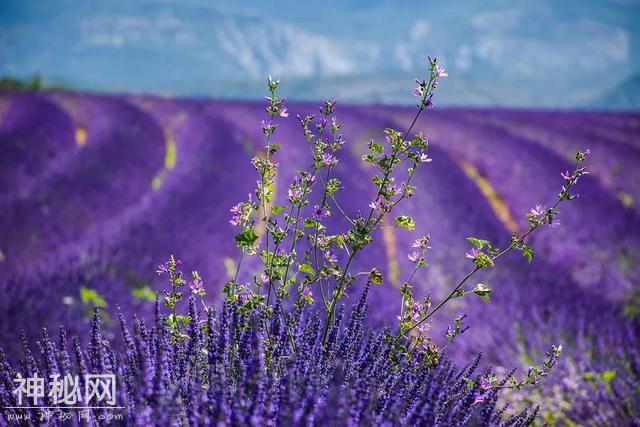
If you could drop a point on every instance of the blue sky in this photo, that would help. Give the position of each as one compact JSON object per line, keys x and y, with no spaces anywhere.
{"x":513,"y":53}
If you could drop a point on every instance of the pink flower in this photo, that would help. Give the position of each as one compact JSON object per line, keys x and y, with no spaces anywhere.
{"x":320,"y":212}
{"x":473,"y":253}
{"x":414,"y":256}
{"x":197,"y":287}
{"x":323,"y":240}
{"x":440,"y":71}
{"x":422,"y":243}
{"x":284,"y":112}
{"x":424,"y":158}
{"x":538,"y":211}
{"x":394,"y":190}
{"x":162,"y":268}
{"x":419,"y":90}
{"x":294,"y":194}
{"x":264,"y":278}
{"x":236,"y":214}
{"x":379,"y":204}
{"x":329,"y":160}
{"x":330,"y":256}
{"x":567,"y":175}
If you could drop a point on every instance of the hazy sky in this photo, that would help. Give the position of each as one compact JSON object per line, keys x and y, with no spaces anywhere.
{"x":538,"y":53}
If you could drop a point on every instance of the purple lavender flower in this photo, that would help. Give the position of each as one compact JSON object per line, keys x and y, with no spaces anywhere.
{"x":219,"y":374}
{"x":429,"y":101}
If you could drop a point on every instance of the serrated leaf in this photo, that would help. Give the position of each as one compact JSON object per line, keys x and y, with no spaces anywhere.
{"x":247,"y":238}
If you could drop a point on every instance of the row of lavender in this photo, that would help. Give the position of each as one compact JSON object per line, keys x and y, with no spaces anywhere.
{"x":95,"y":190}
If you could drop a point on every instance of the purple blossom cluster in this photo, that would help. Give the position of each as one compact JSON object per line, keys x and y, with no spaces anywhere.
{"x":222,"y":373}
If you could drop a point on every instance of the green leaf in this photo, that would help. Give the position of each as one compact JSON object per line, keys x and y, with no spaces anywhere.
{"x":478,"y":243}
{"x":183,"y":319}
{"x":482,"y":291}
{"x":247,"y":238}
{"x":527,"y":252}
{"x":276,"y":210}
{"x":306,"y":268}
{"x":333,"y":186}
{"x":405,"y":221}
{"x":92,"y":297}
{"x":144,"y":293}
{"x":312,"y":223}
{"x":609,"y":375}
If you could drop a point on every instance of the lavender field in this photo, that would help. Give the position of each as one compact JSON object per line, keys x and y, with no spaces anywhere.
{"x":96,"y":191}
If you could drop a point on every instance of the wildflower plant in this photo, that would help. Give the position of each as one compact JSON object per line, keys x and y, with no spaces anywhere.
{"x":278,"y":350}
{"x":300,"y":272}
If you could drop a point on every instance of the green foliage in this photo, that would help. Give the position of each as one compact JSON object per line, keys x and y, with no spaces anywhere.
{"x":277,"y":210}
{"x":32,"y":84}
{"x":483,"y":260}
{"x":483,"y":291}
{"x":246,"y":239}
{"x":92,"y":297}
{"x":406,"y":221}
{"x":478,"y":243}
{"x":306,"y":268}
{"x":144,"y":293}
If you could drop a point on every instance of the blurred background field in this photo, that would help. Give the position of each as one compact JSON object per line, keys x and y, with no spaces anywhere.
{"x":126,"y":131}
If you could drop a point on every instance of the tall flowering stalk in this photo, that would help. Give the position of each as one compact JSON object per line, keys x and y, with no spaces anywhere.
{"x":318,"y":268}
{"x":484,"y":255}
